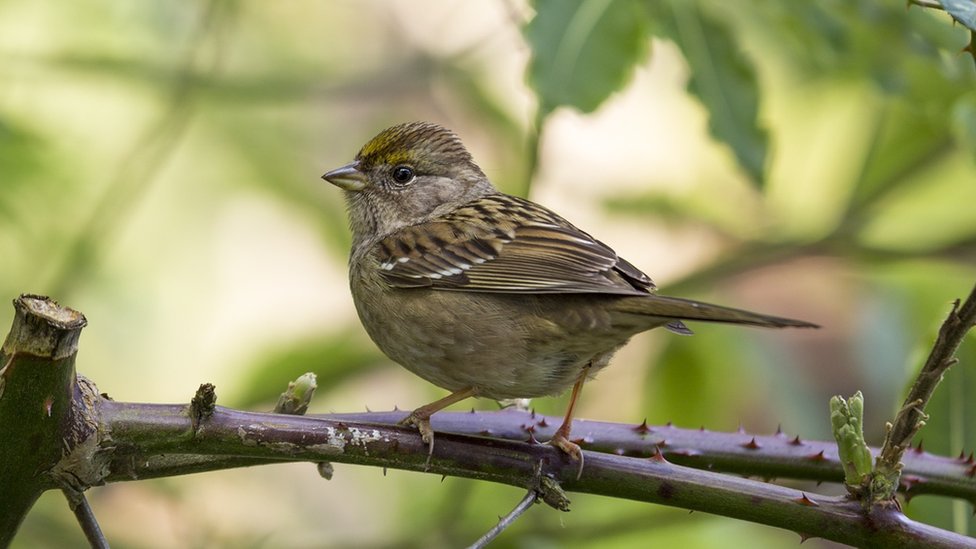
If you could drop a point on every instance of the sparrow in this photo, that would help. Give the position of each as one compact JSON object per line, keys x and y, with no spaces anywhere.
{"x":487,"y":294}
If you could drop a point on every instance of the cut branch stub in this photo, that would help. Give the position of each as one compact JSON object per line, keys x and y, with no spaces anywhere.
{"x":38,"y":410}
{"x":43,"y":328}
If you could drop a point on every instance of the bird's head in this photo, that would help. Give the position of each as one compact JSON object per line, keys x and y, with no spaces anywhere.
{"x":406,"y":175}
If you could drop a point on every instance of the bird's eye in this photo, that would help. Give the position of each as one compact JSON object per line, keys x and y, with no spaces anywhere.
{"x":403,"y":174}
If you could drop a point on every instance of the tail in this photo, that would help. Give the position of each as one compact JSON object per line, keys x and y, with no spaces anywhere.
{"x":686,"y":309}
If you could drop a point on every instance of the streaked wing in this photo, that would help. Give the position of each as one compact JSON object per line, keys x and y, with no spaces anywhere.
{"x":526,"y":249}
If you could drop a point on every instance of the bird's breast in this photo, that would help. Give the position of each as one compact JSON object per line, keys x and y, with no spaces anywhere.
{"x":504,"y":346}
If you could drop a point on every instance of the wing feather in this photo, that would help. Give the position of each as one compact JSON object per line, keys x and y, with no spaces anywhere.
{"x":532,"y":250}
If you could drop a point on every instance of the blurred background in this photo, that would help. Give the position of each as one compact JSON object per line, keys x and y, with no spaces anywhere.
{"x":159,"y":171}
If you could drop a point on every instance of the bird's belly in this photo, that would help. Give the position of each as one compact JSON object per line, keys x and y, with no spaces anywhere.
{"x":502,"y":346}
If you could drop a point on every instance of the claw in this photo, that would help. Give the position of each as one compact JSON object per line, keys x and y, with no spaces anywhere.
{"x":569,"y":448}
{"x":420,"y":418}
{"x":426,"y":432}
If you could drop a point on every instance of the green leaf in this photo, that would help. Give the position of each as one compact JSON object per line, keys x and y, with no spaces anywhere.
{"x":583,"y":50}
{"x":963,"y":11}
{"x":724,"y":80}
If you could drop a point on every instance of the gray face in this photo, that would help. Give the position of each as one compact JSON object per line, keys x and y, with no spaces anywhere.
{"x":406,"y":175}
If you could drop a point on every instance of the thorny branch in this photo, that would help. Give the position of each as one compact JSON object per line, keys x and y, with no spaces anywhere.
{"x":912,"y":416}
{"x":140,"y":430}
{"x":130,"y":439}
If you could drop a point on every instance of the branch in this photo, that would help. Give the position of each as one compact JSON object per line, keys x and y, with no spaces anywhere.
{"x":912,"y":416}
{"x":741,"y":453}
{"x":86,"y":518}
{"x":142,"y":429}
{"x":504,"y":522}
{"x":101,"y":441}
{"x":37,"y":408}
{"x":762,"y":456}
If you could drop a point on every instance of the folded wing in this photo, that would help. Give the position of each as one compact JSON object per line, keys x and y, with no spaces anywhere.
{"x":533,"y":251}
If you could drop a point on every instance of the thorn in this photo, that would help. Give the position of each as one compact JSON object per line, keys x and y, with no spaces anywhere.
{"x":395,"y":408}
{"x":472,"y":410}
{"x":751,"y":445}
{"x":804,"y":500}
{"x":658,"y":457}
{"x":384,"y":471}
{"x":971,"y":472}
{"x":532,"y":439}
{"x":910,"y":481}
{"x":701,"y":429}
{"x":962,"y":455}
{"x":485,"y":432}
{"x":543,"y":423}
{"x":819,"y":482}
{"x":969,"y":460}
{"x":529,"y":428}
{"x":741,"y":430}
{"x":669,"y":424}
{"x":367,"y":408}
{"x":918,"y":449}
{"x":779,"y":430}
{"x":803,"y":537}
{"x":443,"y":477}
{"x":663,"y":443}
{"x":532,"y":413}
{"x":642,"y":429}
{"x":796,"y":441}
{"x":340,"y":426}
{"x":819,"y":456}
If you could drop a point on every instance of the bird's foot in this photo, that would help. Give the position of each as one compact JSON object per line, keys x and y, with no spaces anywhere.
{"x":420,"y":418}
{"x":422,"y":423}
{"x":570,"y":448}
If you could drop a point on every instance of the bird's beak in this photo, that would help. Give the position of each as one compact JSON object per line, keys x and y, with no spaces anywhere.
{"x":347,"y":178}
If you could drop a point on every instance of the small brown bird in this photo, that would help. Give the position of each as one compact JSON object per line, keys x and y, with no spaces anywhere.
{"x":486,"y":294}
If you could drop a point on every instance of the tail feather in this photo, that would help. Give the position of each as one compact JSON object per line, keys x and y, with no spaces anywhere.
{"x":686,"y":309}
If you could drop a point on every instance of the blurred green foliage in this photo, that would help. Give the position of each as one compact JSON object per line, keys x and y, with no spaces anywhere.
{"x":159,"y":171}
{"x":722,"y":78}
{"x":583,"y":51}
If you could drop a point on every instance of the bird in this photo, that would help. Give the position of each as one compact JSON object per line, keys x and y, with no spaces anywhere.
{"x":486,"y":294}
